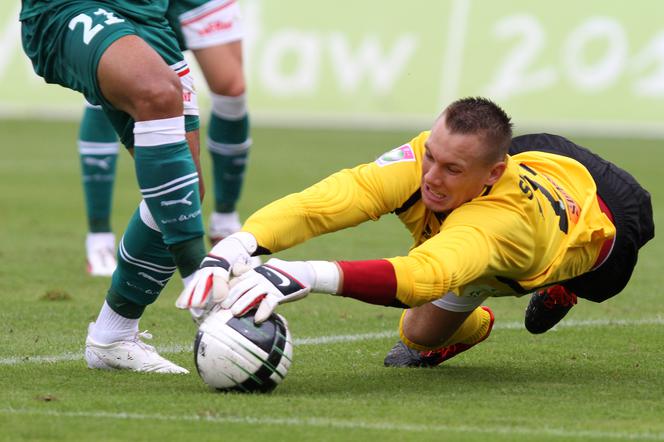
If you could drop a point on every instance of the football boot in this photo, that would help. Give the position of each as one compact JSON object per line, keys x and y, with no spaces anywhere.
{"x":100,"y":253}
{"x":547,"y":307}
{"x":132,"y":354}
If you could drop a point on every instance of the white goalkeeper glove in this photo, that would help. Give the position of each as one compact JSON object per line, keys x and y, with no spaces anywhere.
{"x":209,"y":284}
{"x":277,"y":282}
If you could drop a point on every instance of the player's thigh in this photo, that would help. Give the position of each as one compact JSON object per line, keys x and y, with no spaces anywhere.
{"x":66,"y":45}
{"x":135,"y":79}
{"x":145,"y":76}
{"x":222,"y":68}
{"x":213,"y":31}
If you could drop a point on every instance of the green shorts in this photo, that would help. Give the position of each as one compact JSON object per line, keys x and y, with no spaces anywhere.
{"x":65,"y":45}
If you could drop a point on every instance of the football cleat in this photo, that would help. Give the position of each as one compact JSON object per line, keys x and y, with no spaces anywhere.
{"x":100,"y":252}
{"x":403,"y":356}
{"x":547,"y":307}
{"x":133,"y":354}
{"x":223,"y":225}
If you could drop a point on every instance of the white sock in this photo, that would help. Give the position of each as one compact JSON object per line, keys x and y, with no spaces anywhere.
{"x":111,"y":327}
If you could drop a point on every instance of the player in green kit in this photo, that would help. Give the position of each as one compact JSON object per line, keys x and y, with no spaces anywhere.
{"x":213,"y":31}
{"x":123,"y":56}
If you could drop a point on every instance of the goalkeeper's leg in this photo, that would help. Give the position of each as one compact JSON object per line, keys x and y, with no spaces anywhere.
{"x":431,"y":334}
{"x":98,"y":150}
{"x":144,"y":267}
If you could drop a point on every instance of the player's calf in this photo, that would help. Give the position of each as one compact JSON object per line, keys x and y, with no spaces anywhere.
{"x":145,"y":266}
{"x":228,"y":142}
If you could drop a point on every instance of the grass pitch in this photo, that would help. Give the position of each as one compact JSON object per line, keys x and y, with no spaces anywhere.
{"x":598,"y":376}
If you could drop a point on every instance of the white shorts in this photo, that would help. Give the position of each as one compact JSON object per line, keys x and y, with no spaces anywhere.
{"x":213,"y":23}
{"x":455,"y":303}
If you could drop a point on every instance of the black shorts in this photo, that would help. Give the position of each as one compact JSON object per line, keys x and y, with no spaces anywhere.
{"x":628,"y":202}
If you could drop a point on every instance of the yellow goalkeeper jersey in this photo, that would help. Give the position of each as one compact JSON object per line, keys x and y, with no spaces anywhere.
{"x":539,"y":224}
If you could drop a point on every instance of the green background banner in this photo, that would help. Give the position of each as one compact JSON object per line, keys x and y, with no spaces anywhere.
{"x":592,"y":66}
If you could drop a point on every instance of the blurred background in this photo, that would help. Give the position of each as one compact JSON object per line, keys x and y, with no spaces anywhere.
{"x":586,"y":68}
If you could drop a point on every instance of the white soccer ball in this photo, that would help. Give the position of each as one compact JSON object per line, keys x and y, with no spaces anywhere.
{"x":234,"y":354}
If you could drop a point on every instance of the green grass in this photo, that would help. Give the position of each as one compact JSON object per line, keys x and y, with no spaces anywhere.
{"x":580,"y":382}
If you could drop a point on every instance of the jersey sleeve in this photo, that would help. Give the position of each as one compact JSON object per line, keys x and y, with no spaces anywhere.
{"x":472,"y":244}
{"x":344,"y":199}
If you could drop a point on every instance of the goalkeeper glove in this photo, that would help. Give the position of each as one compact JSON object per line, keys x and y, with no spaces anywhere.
{"x":277,"y":282}
{"x":209,"y":284}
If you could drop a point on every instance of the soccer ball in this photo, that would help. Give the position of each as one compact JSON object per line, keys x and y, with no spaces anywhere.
{"x":234,"y":354}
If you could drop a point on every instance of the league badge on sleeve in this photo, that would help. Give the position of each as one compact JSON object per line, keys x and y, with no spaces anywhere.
{"x":398,"y":155}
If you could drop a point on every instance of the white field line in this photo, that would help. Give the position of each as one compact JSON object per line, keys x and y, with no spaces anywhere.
{"x":335,"y":339}
{"x":342,"y":424}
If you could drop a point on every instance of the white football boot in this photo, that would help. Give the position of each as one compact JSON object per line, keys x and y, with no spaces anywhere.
{"x":134,"y":355}
{"x":100,"y":250}
{"x":223,"y":225}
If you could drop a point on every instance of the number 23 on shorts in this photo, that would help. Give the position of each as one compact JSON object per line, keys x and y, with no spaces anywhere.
{"x":89,"y":31}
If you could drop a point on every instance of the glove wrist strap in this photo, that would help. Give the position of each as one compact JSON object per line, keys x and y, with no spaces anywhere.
{"x":247,"y":240}
{"x":327,"y":277}
{"x":246,"y":244}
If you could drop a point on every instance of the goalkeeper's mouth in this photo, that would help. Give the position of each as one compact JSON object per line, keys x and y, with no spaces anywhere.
{"x":432,"y":196}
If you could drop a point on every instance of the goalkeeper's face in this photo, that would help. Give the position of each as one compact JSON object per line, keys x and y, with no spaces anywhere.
{"x":455,"y":169}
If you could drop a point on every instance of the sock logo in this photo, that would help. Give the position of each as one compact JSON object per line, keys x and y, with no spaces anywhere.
{"x":184,"y":200}
{"x":161,"y":283}
{"x":182,"y":218}
{"x":102,"y":163}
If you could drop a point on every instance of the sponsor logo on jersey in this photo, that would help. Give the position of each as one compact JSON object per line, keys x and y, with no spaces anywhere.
{"x":399,"y":155}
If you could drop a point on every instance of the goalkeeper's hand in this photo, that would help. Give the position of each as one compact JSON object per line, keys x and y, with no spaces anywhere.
{"x":277,"y":282}
{"x":209,"y":284}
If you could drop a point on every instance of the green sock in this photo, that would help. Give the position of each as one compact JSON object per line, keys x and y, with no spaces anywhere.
{"x":98,"y":150}
{"x":228,"y":143}
{"x":145,"y":265}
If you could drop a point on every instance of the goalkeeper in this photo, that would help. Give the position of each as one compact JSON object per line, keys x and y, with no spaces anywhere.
{"x":489,"y":215}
